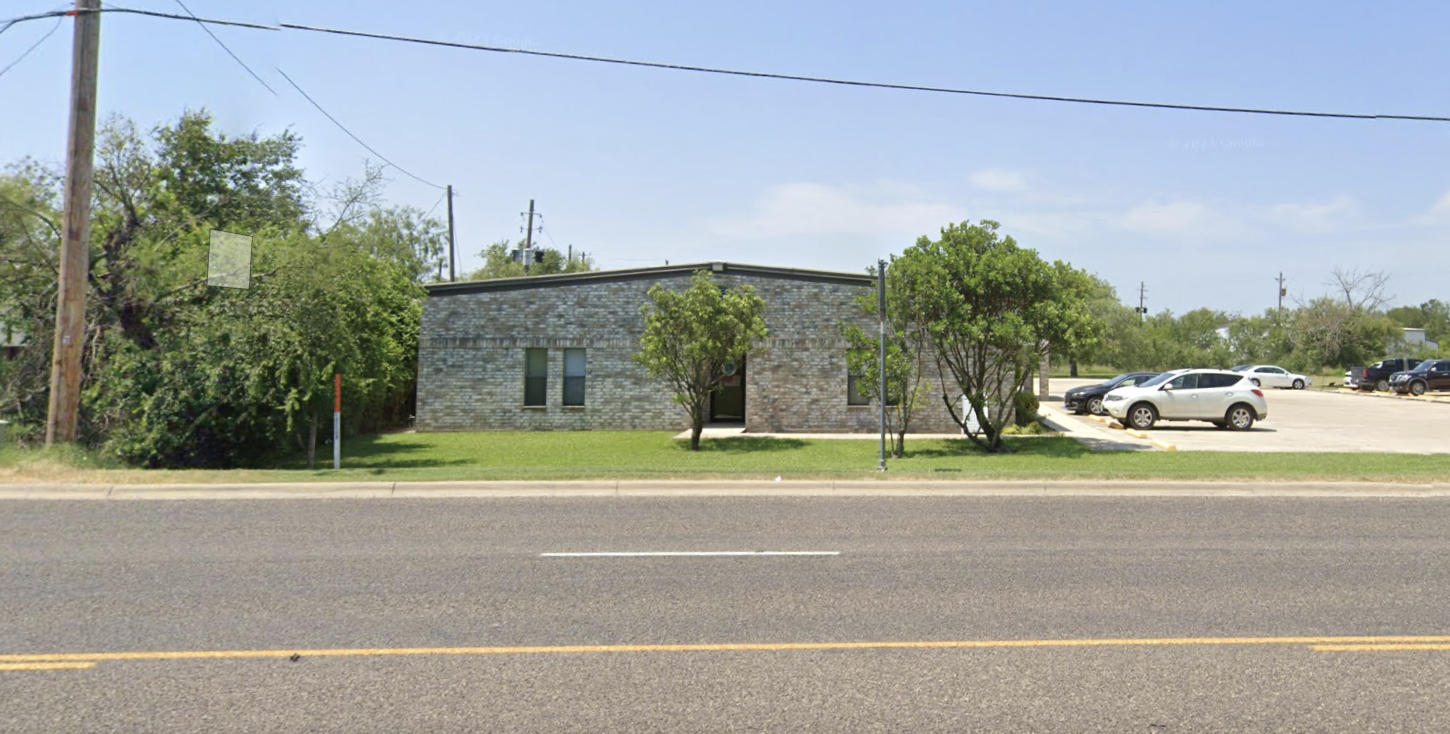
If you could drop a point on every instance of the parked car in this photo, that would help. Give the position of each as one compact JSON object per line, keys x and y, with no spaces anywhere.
{"x":1089,"y":399}
{"x":1377,"y":376}
{"x":1268,"y":375}
{"x":1432,"y":374}
{"x":1223,"y":398}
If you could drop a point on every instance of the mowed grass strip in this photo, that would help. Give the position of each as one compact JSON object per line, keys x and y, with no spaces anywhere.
{"x":560,"y":456}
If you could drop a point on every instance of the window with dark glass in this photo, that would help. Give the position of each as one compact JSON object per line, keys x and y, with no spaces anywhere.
{"x":536,"y":377}
{"x":860,"y":392}
{"x":1185,"y":382}
{"x":854,"y":393}
{"x":574,"y":376}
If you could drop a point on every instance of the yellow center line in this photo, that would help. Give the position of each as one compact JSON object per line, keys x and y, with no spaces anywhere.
{"x":18,"y":667}
{"x":729,"y":647}
{"x":1403,"y":647}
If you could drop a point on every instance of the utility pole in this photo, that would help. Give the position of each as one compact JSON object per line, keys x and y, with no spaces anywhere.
{"x":1282,"y":292}
{"x":70,"y":310}
{"x":529,"y":238}
{"x":452,"y":252}
{"x":1142,"y":298}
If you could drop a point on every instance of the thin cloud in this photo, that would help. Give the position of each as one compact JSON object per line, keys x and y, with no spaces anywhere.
{"x":1178,"y":218}
{"x":809,"y":209}
{"x":998,"y":179}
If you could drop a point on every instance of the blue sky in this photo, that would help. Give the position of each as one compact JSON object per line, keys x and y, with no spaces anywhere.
{"x":640,"y":166}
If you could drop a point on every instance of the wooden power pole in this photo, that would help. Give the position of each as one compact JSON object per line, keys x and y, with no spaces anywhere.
{"x":529,"y":238}
{"x":452,"y":253}
{"x":70,"y":310}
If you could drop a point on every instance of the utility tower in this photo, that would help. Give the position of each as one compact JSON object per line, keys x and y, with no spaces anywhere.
{"x":1142,"y":300}
{"x":1282,"y":291}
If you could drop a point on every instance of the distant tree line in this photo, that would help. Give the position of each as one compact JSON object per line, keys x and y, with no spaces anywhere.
{"x":1347,"y":325}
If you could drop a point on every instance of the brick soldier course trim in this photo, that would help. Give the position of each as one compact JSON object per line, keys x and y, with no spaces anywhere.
{"x":471,"y":352}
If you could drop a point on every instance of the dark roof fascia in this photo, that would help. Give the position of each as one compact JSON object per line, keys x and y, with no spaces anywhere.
{"x":617,"y":276}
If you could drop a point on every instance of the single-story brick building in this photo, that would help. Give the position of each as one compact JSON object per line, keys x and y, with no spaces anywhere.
{"x":555,"y":353}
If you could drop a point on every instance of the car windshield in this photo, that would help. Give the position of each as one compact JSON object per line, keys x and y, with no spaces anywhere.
{"x":1423,"y":367}
{"x":1159,"y":380}
{"x":1119,"y":379}
{"x":1242,"y":367}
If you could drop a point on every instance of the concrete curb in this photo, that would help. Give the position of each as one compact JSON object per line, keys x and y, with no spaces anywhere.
{"x":668,"y":488}
{"x":1426,"y":398}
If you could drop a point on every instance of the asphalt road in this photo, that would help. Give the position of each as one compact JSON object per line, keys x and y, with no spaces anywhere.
{"x":1312,"y":420}
{"x":356,"y":587}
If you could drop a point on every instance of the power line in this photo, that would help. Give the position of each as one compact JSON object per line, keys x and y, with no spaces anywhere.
{"x":359,"y":141}
{"x":755,"y":74}
{"x":855,"y":83}
{"x":435,"y":204}
{"x":33,"y":46}
{"x":135,"y":11}
{"x":224,"y":48}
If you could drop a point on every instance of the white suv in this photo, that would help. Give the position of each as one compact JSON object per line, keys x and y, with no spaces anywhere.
{"x":1225,"y":399}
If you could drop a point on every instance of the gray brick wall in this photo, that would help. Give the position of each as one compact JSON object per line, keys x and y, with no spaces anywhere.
{"x":471,"y":358}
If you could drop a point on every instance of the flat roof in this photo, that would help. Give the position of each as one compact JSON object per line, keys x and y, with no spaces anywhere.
{"x":615,"y":276}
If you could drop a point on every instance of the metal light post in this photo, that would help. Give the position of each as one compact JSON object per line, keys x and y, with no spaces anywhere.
{"x":881,"y":318}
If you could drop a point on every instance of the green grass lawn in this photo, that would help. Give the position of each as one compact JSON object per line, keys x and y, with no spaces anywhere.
{"x":650,"y":455}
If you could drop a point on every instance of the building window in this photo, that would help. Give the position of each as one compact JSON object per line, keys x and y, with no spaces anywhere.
{"x":859,"y":392}
{"x":574,"y":377}
{"x":854,"y":393}
{"x":536,"y":377}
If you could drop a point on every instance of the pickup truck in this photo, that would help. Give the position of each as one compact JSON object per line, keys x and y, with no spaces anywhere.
{"x":1377,"y":375}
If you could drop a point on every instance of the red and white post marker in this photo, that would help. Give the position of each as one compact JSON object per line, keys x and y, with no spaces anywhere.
{"x":337,"y":425}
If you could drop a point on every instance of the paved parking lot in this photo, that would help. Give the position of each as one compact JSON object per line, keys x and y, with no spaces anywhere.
{"x":1305,"y":420}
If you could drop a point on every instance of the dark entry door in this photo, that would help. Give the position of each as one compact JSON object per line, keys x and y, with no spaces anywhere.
{"x":727,"y":404}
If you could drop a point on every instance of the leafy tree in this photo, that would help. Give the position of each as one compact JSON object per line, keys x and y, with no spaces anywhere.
{"x":1331,"y":333}
{"x":989,"y":307}
{"x":1433,"y":316}
{"x":689,"y":335}
{"x":498,"y":262}
{"x":906,"y":345}
{"x":1118,"y":328}
{"x":176,"y":373}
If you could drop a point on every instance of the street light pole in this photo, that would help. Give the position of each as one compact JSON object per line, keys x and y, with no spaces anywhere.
{"x":881,"y":322}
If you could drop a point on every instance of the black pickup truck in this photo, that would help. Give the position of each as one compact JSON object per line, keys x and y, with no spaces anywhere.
{"x":1377,"y":375}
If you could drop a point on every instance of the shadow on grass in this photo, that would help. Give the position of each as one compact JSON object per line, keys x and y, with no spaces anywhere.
{"x":742,"y":444}
{"x":375,"y":453}
{"x":1036,"y":446}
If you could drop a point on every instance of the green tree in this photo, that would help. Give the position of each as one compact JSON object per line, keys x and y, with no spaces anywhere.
{"x":1329,"y":332}
{"x":989,"y":308}
{"x":498,"y":262}
{"x":689,"y":335}
{"x":176,"y":373}
{"x":1118,"y":327}
{"x":906,"y":344}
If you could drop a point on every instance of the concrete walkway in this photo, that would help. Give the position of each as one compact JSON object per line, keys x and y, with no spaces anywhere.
{"x":749,"y":488}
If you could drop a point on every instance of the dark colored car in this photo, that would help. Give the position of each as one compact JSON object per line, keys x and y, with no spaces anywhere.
{"x":1089,"y":399}
{"x":1377,"y":375}
{"x":1432,"y":374}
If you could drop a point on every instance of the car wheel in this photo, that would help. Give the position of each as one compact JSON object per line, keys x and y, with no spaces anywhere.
{"x":1240,"y":417}
{"x":1417,"y":388}
{"x":1256,"y":382}
{"x":1298,"y":384}
{"x":1142,"y":416}
{"x":1095,"y":406}
{"x":1382,"y":386}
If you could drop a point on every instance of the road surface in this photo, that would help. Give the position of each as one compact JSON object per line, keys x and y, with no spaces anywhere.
{"x":856,"y":614}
